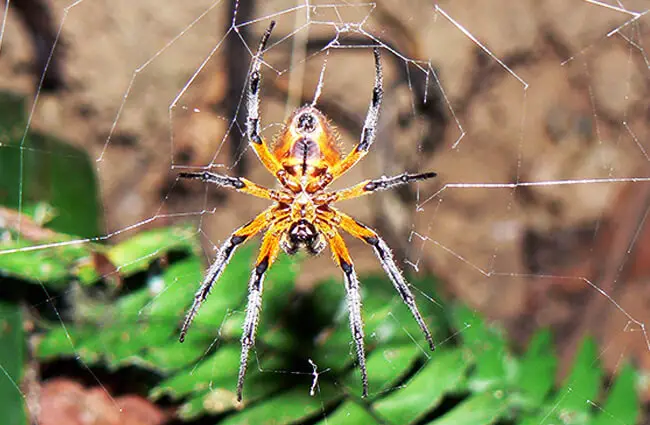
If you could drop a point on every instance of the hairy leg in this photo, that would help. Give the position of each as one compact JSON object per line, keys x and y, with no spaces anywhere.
{"x":268,"y":253}
{"x":387,"y":261}
{"x":253,"y":126}
{"x":368,"y":134}
{"x":353,"y":293}
{"x":224,"y":254}
{"x":370,"y":186}
{"x":239,"y":184}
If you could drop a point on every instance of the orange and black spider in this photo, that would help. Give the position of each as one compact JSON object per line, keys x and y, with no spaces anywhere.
{"x":305,"y":160}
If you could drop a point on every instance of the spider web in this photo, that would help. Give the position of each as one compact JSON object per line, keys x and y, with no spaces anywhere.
{"x":533,"y":114}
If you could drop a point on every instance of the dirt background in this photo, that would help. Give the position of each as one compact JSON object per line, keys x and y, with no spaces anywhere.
{"x":567,"y":102}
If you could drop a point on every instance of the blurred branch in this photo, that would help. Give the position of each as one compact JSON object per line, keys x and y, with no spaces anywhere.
{"x":36,"y":16}
{"x":237,"y":59}
{"x":28,"y":228}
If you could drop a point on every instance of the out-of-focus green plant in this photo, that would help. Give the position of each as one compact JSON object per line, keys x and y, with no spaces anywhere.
{"x":46,"y":186}
{"x":12,"y":344}
{"x":472,"y":378}
{"x":47,"y":179}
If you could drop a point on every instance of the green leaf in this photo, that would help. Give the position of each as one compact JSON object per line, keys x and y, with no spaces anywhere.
{"x":622,"y":404}
{"x":222,"y":364}
{"x":66,"y":181}
{"x":137,"y":253}
{"x":126,"y":347}
{"x":171,"y":355}
{"x":140,"y":327}
{"x":227,"y":294}
{"x":12,"y":346}
{"x":38,"y":168}
{"x":480,"y":409}
{"x":387,"y":322}
{"x":572,"y":403}
{"x":222,"y":398}
{"x":286,"y":408}
{"x":171,"y":293}
{"x":487,"y":346}
{"x":441,"y":375}
{"x":537,"y":369}
{"x":211,"y":402}
{"x":278,"y":285}
{"x":60,"y":341}
{"x":582,"y":384}
{"x":350,"y":413}
{"x":385,"y":366}
{"x":35,"y":266}
{"x":51,"y":266}
{"x":126,"y":309}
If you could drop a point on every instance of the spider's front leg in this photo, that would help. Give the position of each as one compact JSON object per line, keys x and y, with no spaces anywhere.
{"x":342,"y":257}
{"x":268,"y":254}
{"x":239,"y":184}
{"x":224,"y":254}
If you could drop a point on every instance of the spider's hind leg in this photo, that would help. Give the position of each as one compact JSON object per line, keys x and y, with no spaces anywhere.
{"x":268,"y":254}
{"x":224,"y":254}
{"x":387,"y":261}
{"x":353,"y":294}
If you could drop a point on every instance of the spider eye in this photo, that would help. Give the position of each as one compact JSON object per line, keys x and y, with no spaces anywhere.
{"x":306,"y":123}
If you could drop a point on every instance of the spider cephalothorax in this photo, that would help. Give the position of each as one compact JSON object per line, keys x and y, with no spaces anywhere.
{"x":305,"y":159}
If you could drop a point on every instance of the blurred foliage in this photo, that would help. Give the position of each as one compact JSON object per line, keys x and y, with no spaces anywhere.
{"x":49,"y":190}
{"x":12,"y":343}
{"x":38,"y":169}
{"x":304,"y":343}
{"x":472,"y":378}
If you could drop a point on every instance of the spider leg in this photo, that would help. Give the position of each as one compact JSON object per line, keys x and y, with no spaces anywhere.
{"x":368,"y":133}
{"x":352,"y":289}
{"x":224,"y":254}
{"x":387,"y":261}
{"x":268,"y":253}
{"x":253,"y":127}
{"x":370,"y":186}
{"x":240,"y":184}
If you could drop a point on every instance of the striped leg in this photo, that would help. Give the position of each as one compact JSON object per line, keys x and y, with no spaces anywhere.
{"x":253,"y":127}
{"x":353,"y":294}
{"x":370,"y":186}
{"x":240,"y":184}
{"x":223,"y":257}
{"x":268,"y":253}
{"x":368,"y":134}
{"x":387,"y":260}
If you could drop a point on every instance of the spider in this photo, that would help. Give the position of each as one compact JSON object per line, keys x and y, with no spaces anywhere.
{"x":305,"y":160}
